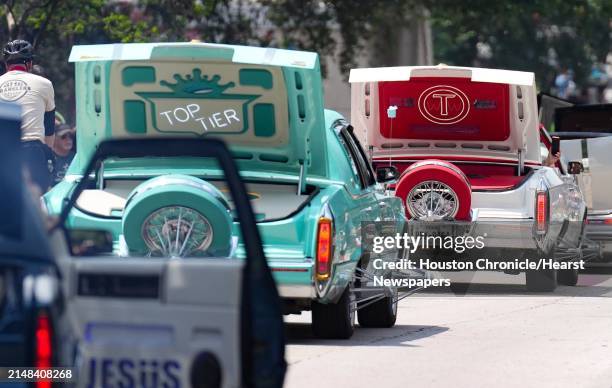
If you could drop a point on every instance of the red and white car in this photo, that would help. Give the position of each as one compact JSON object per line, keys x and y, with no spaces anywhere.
{"x":466,"y":143}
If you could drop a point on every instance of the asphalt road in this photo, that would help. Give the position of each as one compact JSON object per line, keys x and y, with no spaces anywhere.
{"x":495,"y":335}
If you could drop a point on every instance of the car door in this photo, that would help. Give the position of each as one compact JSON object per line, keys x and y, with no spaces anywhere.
{"x":386,"y":207}
{"x":31,"y":307}
{"x":361,"y":186}
{"x":385,"y":212}
{"x":173,"y":321}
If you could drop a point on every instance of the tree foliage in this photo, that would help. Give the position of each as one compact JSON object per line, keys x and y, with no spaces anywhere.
{"x":54,"y":26}
{"x":538,"y":35}
{"x":345,"y":26}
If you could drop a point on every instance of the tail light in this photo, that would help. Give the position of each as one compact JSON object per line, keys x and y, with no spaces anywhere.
{"x":607,"y":221}
{"x":541,"y":212}
{"x":324,"y":248}
{"x":44,"y":350}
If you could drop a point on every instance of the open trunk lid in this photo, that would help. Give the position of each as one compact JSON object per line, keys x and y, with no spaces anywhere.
{"x":449,"y":112}
{"x":265,"y":103}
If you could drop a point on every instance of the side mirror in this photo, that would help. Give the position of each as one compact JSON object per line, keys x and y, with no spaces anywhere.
{"x":386,"y":174}
{"x":90,"y":242}
{"x":574,"y":168}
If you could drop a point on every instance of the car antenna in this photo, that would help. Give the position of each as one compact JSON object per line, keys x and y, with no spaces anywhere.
{"x":391,"y":114}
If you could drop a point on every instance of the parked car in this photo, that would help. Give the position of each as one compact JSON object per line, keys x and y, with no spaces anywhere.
{"x":467,"y":145}
{"x":31,"y":302}
{"x":586,"y":136}
{"x":307,"y":176}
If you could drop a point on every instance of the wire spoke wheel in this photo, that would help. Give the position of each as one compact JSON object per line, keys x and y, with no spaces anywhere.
{"x":432,"y":200}
{"x":176,"y":231}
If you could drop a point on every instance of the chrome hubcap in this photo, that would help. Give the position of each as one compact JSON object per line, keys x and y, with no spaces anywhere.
{"x":176,"y":231}
{"x":432,"y":200}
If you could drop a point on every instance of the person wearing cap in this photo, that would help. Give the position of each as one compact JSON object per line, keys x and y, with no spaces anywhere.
{"x":36,"y":96}
{"x":63,"y":148}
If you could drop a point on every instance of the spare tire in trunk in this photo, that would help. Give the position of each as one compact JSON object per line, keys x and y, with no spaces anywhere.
{"x":435,"y":190}
{"x":177,"y":216}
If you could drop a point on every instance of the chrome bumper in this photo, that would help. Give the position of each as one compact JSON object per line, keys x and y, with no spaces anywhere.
{"x":498,"y":233}
{"x":505,"y":234}
{"x":289,"y":291}
{"x":599,"y":229}
{"x":293,"y":277}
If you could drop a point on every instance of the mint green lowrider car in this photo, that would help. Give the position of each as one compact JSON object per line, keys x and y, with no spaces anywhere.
{"x":308,"y":178}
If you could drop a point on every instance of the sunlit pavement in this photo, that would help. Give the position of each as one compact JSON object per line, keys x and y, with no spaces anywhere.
{"x":495,"y":335}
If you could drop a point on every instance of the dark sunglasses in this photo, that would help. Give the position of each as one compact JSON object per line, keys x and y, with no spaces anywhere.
{"x":66,"y":136}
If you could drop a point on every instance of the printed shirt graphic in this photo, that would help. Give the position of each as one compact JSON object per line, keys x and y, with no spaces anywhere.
{"x":61,"y":166}
{"x":35,"y":95}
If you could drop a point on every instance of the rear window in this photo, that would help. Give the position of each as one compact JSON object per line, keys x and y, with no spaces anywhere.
{"x":445,"y":109}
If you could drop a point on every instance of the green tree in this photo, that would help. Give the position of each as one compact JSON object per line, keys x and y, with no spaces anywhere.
{"x":349,"y":26}
{"x":54,"y":26}
{"x":540,"y":35}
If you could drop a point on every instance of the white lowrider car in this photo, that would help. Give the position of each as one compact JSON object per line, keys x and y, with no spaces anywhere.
{"x":467,"y":144}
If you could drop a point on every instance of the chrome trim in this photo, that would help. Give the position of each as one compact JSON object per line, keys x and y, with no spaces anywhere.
{"x":296,"y":291}
{"x":436,"y":196}
{"x":101,"y":176}
{"x":175,"y":245}
{"x":302,"y":178}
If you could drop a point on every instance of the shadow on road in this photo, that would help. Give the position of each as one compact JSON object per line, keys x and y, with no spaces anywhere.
{"x":399,"y":335}
{"x":587,"y":287}
{"x":602,"y":269}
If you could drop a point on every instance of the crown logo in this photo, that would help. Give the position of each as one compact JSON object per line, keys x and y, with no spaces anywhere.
{"x":195,"y":85}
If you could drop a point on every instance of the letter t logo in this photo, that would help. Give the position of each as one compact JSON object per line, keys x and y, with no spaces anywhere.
{"x":443,"y":102}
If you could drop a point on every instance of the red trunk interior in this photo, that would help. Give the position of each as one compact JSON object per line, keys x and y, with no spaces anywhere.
{"x":481,"y":176}
{"x":445,"y":109}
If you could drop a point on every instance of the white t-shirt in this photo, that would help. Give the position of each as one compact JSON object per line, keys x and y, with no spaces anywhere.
{"x":35,"y":95}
